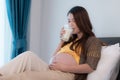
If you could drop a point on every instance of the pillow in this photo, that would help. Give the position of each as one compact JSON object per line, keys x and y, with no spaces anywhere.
{"x":110,"y":56}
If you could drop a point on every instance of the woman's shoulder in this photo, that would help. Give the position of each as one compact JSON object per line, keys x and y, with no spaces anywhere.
{"x":96,"y":40}
{"x":93,"y":38}
{"x":93,"y":41}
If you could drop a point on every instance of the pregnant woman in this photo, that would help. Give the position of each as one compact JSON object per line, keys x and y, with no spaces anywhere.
{"x":72,"y":60}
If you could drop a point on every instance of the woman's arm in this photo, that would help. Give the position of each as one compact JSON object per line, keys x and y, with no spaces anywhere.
{"x":59,"y":46}
{"x":62,"y":32}
{"x":82,"y":68}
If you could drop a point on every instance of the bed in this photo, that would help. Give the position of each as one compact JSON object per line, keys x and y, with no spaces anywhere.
{"x":109,"y":40}
{"x":112,"y":40}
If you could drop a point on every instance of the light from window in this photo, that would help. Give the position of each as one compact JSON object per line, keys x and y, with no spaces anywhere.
{"x":5,"y":35}
{"x":2,"y":32}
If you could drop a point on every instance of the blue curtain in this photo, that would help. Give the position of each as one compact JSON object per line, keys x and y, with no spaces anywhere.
{"x":18,"y":15}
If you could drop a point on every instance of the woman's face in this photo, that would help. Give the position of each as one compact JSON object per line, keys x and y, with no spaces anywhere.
{"x":72,"y":24}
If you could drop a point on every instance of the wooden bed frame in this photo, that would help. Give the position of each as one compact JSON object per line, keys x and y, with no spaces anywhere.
{"x":112,"y":40}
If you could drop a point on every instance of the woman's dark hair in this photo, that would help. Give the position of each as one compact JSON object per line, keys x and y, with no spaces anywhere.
{"x":82,"y":20}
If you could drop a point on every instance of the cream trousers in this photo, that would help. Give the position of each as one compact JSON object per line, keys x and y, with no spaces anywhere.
{"x":28,"y":66}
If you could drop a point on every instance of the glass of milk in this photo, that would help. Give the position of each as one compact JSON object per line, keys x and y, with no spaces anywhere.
{"x":68,"y":31}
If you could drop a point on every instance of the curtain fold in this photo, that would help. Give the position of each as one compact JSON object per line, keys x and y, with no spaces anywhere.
{"x":18,"y":14}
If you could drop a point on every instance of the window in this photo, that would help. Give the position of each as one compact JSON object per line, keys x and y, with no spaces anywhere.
{"x":5,"y":35}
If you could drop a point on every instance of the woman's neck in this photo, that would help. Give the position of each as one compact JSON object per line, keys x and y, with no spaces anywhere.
{"x":79,"y":35}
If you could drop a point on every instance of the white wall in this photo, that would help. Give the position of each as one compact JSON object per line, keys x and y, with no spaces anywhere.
{"x":48,"y":16}
{"x":35,"y":25}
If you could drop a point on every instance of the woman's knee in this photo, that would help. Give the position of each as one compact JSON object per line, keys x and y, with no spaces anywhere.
{"x":26,"y":53}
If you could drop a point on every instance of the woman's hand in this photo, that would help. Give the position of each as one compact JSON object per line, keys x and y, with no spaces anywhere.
{"x":83,"y":68}
{"x":58,"y":66}
{"x":62,"y":32}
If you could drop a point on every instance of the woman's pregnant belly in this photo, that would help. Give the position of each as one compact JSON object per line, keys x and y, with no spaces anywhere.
{"x":64,"y":59}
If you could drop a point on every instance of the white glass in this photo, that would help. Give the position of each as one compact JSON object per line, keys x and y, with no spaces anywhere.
{"x":68,"y":31}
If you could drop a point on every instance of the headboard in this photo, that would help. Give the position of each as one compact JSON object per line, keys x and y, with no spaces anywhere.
{"x":111,"y":40}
